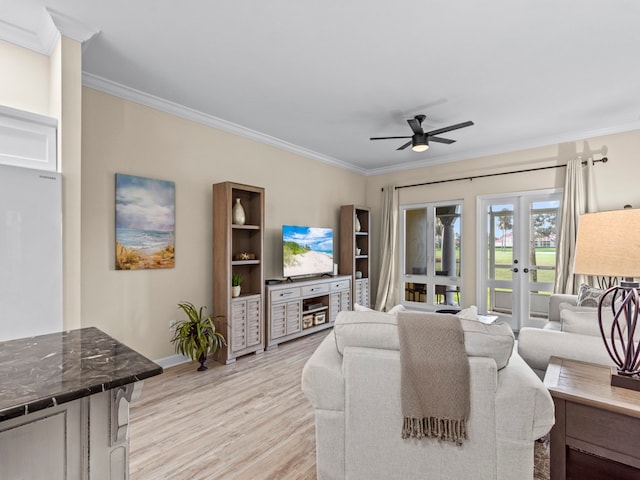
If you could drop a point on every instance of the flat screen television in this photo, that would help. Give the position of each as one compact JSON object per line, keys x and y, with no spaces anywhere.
{"x":306,"y":251}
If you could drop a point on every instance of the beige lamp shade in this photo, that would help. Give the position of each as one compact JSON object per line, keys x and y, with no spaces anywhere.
{"x":608,"y":244}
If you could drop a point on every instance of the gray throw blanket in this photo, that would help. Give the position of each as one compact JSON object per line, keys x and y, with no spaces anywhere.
{"x":434,"y":377}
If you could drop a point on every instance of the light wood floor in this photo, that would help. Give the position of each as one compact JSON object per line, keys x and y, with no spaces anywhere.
{"x":248,"y":420}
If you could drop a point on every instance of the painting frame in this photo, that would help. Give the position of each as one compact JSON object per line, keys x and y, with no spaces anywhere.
{"x":144,"y":223}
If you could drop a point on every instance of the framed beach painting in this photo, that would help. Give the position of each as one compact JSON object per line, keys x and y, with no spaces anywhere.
{"x":145,"y":223}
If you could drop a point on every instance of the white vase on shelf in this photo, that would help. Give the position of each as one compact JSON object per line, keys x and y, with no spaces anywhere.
{"x":358,"y":227}
{"x":237,"y":213}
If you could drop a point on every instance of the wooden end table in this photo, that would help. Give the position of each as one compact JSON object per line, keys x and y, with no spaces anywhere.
{"x":597,"y":429}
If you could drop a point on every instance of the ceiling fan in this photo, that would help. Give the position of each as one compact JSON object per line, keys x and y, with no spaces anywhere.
{"x":420,"y":139}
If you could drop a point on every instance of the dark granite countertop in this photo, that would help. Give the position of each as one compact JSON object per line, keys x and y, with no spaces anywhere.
{"x":47,"y":370}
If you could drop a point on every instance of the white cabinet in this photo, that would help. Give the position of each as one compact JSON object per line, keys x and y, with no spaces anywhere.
{"x":303,"y":307}
{"x":246,"y":319}
{"x":27,"y":139}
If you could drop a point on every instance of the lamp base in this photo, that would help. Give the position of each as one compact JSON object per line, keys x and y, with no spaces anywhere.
{"x":630,"y":382}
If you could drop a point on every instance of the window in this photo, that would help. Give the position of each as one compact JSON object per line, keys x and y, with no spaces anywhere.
{"x":431,"y":239}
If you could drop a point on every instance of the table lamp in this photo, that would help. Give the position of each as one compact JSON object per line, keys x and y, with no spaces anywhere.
{"x":608,"y":243}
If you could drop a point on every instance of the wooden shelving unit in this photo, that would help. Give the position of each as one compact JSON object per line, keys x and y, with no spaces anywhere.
{"x":355,"y":248}
{"x":302,"y":307}
{"x":241,"y":319}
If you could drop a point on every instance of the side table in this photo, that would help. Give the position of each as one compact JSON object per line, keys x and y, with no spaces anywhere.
{"x":597,"y":429}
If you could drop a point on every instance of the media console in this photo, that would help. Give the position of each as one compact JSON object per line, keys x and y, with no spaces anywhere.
{"x":304,"y":306}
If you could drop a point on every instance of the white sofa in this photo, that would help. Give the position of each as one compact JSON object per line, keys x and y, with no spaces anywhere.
{"x":353,"y":383}
{"x":577,"y":340}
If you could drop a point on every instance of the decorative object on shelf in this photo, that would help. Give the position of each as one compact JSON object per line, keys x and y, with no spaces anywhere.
{"x":145,"y":215}
{"x":358,"y":274}
{"x":196,"y":337}
{"x":358,"y":226}
{"x":236,"y":282}
{"x":617,"y":254}
{"x":358,"y":250}
{"x":238,"y":216}
{"x":244,"y":256}
{"x":307,"y":321}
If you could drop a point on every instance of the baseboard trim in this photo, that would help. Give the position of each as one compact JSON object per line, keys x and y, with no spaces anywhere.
{"x":172,"y":361}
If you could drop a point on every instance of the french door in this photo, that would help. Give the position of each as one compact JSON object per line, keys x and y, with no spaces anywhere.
{"x":517,"y":255}
{"x":431,"y":244}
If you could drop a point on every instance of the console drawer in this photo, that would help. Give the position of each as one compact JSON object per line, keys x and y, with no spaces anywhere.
{"x":285,"y":294}
{"x":340,"y":285}
{"x":312,"y":290}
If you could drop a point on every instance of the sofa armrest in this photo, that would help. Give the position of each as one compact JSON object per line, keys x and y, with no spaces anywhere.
{"x":537,"y":346}
{"x":322,"y":380}
{"x":534,"y":415}
{"x":554,"y":304}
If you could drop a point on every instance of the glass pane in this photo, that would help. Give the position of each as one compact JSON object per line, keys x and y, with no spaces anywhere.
{"x":447,"y":295}
{"x":416,"y":241}
{"x":502,"y":300}
{"x":542,"y":244}
{"x":447,"y":240}
{"x":500,"y":255}
{"x":539,"y":304}
{"x":415,"y":292}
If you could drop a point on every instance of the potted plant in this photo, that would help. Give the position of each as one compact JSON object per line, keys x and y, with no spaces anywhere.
{"x":196,"y":336}
{"x":236,"y":282}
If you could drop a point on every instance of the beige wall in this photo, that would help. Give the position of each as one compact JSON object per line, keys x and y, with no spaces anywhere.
{"x":124,"y":137}
{"x":615,"y":185}
{"x":25,"y":79}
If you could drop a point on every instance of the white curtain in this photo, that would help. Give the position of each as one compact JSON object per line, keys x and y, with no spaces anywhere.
{"x":578,"y":198}
{"x":387,"y":288}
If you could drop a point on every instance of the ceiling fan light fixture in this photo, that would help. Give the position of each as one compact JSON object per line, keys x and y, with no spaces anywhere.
{"x":419,"y":143}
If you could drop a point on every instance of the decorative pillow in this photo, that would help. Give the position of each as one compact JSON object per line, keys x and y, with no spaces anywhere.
{"x":396,"y":309}
{"x":495,"y":340}
{"x":590,"y":296}
{"x":470,"y":313}
{"x":361,"y":308}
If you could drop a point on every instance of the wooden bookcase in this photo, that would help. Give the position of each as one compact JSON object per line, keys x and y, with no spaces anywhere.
{"x":241,"y":319}
{"x":355,"y":246}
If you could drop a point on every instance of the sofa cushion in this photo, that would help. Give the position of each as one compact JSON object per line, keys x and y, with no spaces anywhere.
{"x":380,"y":330}
{"x":584,"y":320}
{"x":361,"y":308}
{"x":366,"y":329}
{"x":590,"y":296}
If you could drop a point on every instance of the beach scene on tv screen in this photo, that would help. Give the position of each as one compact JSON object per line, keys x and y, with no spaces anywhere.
{"x":306,"y":250}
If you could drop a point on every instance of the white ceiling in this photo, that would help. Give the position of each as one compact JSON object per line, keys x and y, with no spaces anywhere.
{"x":321,"y":77}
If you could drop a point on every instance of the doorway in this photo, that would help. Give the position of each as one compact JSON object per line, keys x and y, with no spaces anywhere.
{"x":517,"y":255}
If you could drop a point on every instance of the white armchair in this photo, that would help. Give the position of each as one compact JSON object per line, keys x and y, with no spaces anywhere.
{"x":353,"y":382}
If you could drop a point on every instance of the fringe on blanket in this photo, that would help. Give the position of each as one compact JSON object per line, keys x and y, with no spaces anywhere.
{"x":441,"y":428}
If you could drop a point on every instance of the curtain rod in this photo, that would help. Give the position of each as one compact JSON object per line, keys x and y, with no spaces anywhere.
{"x":473,"y":177}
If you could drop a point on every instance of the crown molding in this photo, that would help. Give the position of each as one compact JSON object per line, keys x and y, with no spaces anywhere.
{"x":49,"y":27}
{"x":70,"y":27}
{"x":137,"y":96}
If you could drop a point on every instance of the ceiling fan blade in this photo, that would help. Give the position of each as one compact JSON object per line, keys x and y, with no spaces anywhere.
{"x":415,"y":126}
{"x":440,"y":139}
{"x":404,"y":146}
{"x":449,"y":128}
{"x":388,"y":138}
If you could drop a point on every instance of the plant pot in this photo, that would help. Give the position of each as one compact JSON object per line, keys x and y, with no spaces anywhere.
{"x":202,"y":359}
{"x":235,"y":291}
